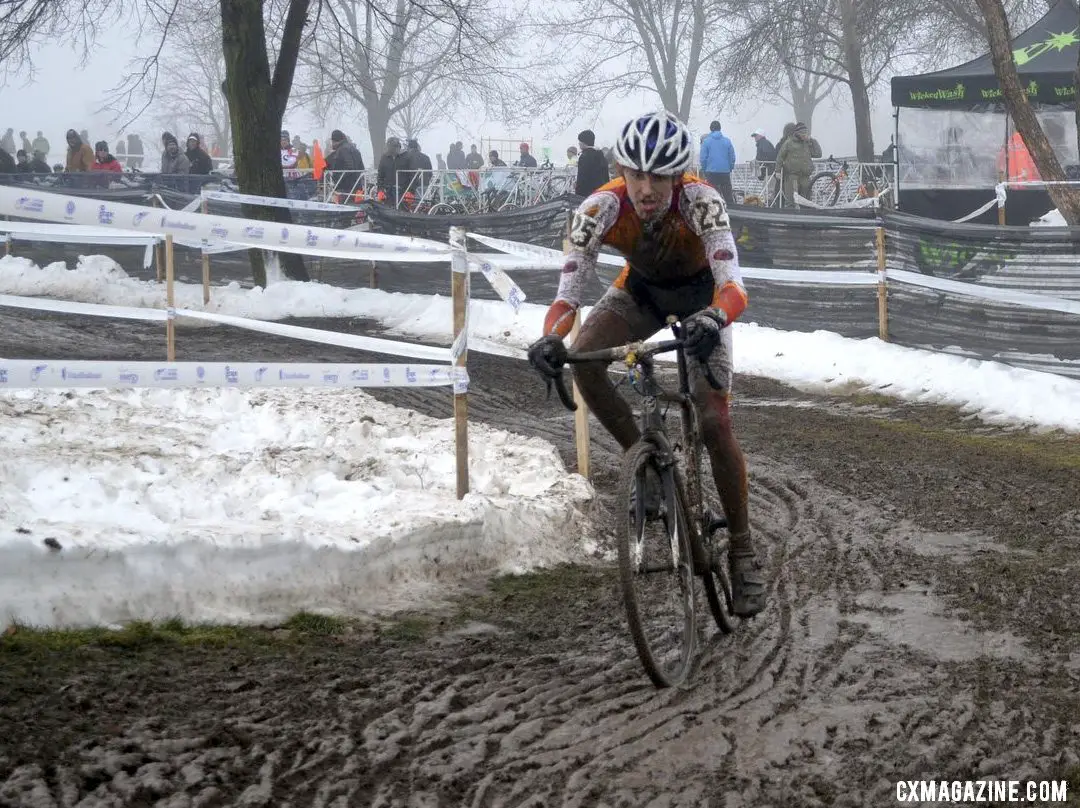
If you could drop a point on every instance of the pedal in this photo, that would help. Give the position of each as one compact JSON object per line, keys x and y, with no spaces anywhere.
{"x":716,"y":522}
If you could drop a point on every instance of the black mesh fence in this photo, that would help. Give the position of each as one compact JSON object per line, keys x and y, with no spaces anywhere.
{"x":984,"y":319}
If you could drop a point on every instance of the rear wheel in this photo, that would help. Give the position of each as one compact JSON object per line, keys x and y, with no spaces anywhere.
{"x":443,"y":209}
{"x":825,"y":189}
{"x":656,"y":569}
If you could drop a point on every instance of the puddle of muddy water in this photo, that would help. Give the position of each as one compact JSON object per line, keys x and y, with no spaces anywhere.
{"x":915,"y":619}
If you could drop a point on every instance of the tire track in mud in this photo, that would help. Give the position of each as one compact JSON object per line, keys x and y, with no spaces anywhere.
{"x":823,"y":699}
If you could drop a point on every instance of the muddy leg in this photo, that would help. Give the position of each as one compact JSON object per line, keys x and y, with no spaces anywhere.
{"x":605,"y":329}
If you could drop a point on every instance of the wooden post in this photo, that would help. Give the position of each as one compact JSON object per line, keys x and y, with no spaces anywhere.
{"x":170,"y":301}
{"x":1001,"y":205}
{"x":205,"y":268}
{"x":581,"y":416}
{"x":373,"y":276}
{"x":883,"y":288}
{"x":159,"y":251}
{"x":459,"y":286}
{"x":7,"y":245}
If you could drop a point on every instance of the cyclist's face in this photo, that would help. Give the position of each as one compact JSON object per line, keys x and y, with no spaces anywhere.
{"x":650,"y":194}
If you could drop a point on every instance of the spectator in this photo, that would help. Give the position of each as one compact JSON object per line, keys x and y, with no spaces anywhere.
{"x":455,"y":158}
{"x":22,"y":163}
{"x":765,"y":155}
{"x":288,"y":153}
{"x":794,"y":162}
{"x":103,"y":160}
{"x":473,"y":160}
{"x":121,"y":152}
{"x":592,"y":166}
{"x":525,"y":160}
{"x":440,"y":163}
{"x":717,"y":161}
{"x":41,"y":144}
{"x":135,"y":152}
{"x":27,"y":146}
{"x":38,"y":164}
{"x":297,"y":143}
{"x":199,"y":161}
{"x":345,"y":159}
{"x":303,"y":159}
{"x":494,"y":161}
{"x":571,"y":156}
{"x":766,"y":151}
{"x":419,"y":160}
{"x":395,"y":171}
{"x":7,"y":163}
{"x":173,"y":161}
{"x":7,"y":143}
{"x":85,"y":136}
{"x":80,"y":157}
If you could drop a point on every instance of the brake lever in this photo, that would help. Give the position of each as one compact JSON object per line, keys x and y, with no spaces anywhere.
{"x":564,"y":394}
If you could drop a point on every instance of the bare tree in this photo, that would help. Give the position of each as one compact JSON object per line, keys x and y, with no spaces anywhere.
{"x":959,"y":27}
{"x":753,"y":56}
{"x":851,"y":42}
{"x":605,"y":48}
{"x":427,"y":108}
{"x":385,"y":56}
{"x":1022,"y":113}
{"x":195,"y":64}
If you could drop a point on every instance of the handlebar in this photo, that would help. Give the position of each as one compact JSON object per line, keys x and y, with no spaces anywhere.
{"x":631,"y":353}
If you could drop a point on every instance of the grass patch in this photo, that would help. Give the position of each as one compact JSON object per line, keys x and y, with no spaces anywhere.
{"x":408,"y":628}
{"x":316,"y":625}
{"x":548,"y":585}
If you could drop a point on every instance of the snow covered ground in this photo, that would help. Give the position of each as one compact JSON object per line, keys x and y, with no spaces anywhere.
{"x":822,"y":360}
{"x":223,"y":505}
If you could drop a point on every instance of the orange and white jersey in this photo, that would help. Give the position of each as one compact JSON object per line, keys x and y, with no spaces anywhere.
{"x":694,"y":235}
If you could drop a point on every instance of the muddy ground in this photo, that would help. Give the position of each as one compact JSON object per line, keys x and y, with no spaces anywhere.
{"x":922,"y":623}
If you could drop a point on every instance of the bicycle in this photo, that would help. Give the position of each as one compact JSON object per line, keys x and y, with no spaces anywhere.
{"x":687,"y":547}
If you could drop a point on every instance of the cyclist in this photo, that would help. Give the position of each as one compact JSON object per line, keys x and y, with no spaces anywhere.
{"x":673,"y":230}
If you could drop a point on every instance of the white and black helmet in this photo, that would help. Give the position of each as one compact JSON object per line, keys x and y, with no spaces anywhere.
{"x":657,"y":143}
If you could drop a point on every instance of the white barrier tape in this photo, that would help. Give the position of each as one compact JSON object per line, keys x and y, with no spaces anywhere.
{"x":73,"y":233}
{"x":1000,"y":193}
{"x":32,"y":373}
{"x":503,"y":285}
{"x":1007,"y":296}
{"x":192,"y":206}
{"x":274,"y":201}
{"x":993,"y":203}
{"x":545,"y":254}
{"x":360,"y":343}
{"x":515,"y":263}
{"x":195,"y":228}
{"x":92,"y":309}
{"x":822,"y":276}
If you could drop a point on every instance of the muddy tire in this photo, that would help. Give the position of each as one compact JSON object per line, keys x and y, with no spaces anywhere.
{"x":656,"y":571}
{"x":718,"y":595}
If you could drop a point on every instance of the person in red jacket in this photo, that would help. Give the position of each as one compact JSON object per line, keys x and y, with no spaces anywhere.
{"x":103,"y":161}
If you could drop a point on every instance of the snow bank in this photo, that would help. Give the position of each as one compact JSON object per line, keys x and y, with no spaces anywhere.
{"x":226,"y":506}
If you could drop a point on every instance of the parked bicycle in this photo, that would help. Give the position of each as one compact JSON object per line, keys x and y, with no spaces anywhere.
{"x":668,"y":539}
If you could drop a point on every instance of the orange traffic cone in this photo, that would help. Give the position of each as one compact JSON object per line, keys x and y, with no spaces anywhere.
{"x":318,"y":162}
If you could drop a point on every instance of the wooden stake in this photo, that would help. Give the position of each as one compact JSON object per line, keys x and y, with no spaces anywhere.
{"x":170,"y":301}
{"x":459,"y":287}
{"x":581,"y":416}
{"x":205,"y":269}
{"x":373,"y":276}
{"x":883,"y":288}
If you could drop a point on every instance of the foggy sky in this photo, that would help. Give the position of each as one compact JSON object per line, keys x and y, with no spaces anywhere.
{"x":64,"y":95}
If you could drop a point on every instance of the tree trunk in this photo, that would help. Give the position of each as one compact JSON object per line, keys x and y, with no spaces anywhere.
{"x":378,"y":123}
{"x":1076,"y":106}
{"x":1027,"y":124}
{"x":803,"y":104}
{"x":255,"y":110}
{"x":860,"y":95}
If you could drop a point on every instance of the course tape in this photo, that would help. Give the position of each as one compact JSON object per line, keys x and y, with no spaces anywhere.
{"x":33,"y":373}
{"x":92,"y":309}
{"x":196,"y":228}
{"x":823,"y":276}
{"x":360,"y":343}
{"x":1008,"y":296}
{"x":502,"y":283}
{"x":544,"y":254}
{"x":274,"y":202}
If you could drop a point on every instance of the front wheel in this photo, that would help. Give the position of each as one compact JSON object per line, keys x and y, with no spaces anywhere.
{"x":656,"y":568}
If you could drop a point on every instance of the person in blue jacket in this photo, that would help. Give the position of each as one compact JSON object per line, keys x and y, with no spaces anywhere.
{"x":717,"y":161}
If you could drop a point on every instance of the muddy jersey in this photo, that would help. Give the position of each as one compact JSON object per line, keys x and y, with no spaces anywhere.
{"x":682,"y":263}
